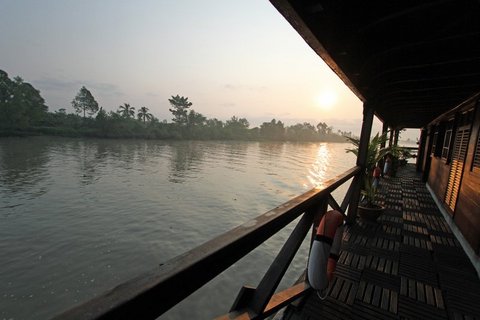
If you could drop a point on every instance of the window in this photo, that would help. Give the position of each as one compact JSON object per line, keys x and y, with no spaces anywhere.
{"x":446,"y":144}
{"x":476,"y":156}
{"x":437,"y":141}
{"x":434,"y":143}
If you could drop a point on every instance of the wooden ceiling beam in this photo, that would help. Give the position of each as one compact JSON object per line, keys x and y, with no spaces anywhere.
{"x":402,"y":13}
{"x":410,"y":60}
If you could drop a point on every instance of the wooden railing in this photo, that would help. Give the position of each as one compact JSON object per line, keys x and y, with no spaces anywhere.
{"x":412,"y":150}
{"x":150,"y":295}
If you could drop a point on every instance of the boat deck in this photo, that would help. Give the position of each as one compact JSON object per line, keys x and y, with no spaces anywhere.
{"x":408,"y":265}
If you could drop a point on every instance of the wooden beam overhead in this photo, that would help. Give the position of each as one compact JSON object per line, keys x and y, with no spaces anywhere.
{"x":423,"y":57}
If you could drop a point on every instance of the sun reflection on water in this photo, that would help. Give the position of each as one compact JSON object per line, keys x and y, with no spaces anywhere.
{"x":317,"y":174}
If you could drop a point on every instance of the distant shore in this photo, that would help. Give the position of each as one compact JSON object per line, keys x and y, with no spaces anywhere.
{"x":91,"y":133}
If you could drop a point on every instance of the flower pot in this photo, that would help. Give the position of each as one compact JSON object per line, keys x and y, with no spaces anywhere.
{"x":370,"y":214}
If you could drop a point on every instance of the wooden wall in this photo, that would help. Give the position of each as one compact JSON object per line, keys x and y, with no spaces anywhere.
{"x":467,"y":211}
{"x":438,"y":177}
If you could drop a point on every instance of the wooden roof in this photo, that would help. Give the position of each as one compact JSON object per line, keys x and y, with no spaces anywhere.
{"x":411,"y":60}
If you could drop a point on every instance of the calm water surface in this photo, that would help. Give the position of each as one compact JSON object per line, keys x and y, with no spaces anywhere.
{"x":78,"y":217}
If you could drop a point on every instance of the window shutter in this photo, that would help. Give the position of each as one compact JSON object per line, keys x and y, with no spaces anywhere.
{"x":456,"y":167}
{"x":476,"y":156}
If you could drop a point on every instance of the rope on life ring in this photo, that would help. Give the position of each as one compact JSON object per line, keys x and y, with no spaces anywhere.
{"x":325,"y":252}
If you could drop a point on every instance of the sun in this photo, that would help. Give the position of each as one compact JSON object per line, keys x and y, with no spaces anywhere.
{"x":326,"y":100}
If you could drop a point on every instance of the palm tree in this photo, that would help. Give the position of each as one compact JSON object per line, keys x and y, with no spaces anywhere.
{"x":375,"y":153}
{"x":126,"y":111}
{"x":144,"y":115}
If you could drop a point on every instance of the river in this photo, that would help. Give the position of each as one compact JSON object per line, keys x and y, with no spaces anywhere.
{"x":80,"y":216}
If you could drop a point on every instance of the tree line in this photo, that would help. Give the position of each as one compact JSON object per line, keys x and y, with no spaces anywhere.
{"x":23,"y":112}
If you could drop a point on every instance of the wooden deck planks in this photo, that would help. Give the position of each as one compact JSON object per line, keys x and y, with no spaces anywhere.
{"x":407,"y":266}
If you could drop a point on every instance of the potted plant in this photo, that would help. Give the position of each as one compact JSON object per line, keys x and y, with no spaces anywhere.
{"x":368,"y":208}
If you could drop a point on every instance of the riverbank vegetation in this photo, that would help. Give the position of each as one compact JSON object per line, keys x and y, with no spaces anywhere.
{"x":23,"y":112}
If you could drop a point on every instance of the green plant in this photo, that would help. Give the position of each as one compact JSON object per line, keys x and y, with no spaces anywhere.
{"x":375,"y":153}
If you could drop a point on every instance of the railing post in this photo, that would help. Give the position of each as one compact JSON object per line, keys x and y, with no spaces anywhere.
{"x":271,"y":280}
{"x":348,"y":196}
{"x":256,"y":299}
{"x":318,"y":214}
{"x":361,"y":161}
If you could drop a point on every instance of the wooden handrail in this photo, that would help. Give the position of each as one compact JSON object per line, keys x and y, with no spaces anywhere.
{"x":151,"y":294}
{"x":267,"y":286}
{"x":278,"y":301}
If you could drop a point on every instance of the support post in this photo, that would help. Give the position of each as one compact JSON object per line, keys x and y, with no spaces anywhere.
{"x":397,"y":134}
{"x":384,"y":131}
{"x":427,"y":157}
{"x":361,"y":160}
{"x":422,"y":143}
{"x":390,"y":140}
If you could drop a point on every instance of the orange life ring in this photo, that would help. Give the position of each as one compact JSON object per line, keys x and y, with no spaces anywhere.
{"x":325,"y":250}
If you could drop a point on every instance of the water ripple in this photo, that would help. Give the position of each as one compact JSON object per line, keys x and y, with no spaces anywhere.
{"x":80,"y":216}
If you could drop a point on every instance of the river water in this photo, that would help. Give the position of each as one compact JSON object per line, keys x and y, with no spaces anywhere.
{"x":80,"y":216}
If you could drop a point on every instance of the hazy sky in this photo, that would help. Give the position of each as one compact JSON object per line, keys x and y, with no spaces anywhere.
{"x":229,"y":57}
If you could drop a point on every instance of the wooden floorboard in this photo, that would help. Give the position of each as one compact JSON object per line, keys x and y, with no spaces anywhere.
{"x":408,"y":265}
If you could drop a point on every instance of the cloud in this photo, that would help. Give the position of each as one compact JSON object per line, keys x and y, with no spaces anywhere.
{"x":54,"y":85}
{"x":105,"y":88}
{"x":280,"y":114}
{"x":51,"y":84}
{"x":235,"y":87}
{"x":228,"y":105}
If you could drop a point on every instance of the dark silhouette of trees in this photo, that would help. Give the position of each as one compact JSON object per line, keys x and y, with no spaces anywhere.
{"x":302,"y":132}
{"x":195,"y":119}
{"x":273,"y":130}
{"x":179,"y":104}
{"x":85,"y":102}
{"x":214,"y":128}
{"x":23,"y":111}
{"x":236,"y":128}
{"x":21,"y":105}
{"x":126,"y":110}
{"x":102,"y":120}
{"x":144,"y":115}
{"x":322,"y":128}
